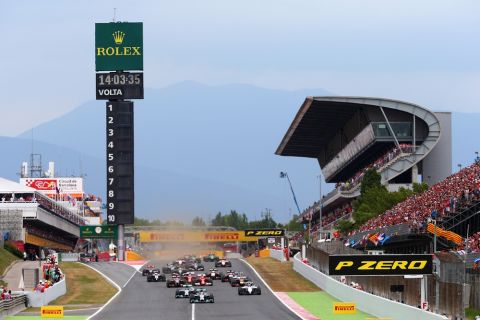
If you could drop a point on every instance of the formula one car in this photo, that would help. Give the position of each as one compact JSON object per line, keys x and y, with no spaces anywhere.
{"x":223,"y":263}
{"x":210,"y":258}
{"x":201,"y":296}
{"x":249,"y":289}
{"x":168,"y":268}
{"x":195,"y":267}
{"x":214,"y":274}
{"x":156,"y":276}
{"x":202,"y":280}
{"x":189,"y":277}
{"x":184,"y":292}
{"x":225,"y":277}
{"x":147,"y":270}
{"x":238,"y":281}
{"x":175,"y":282}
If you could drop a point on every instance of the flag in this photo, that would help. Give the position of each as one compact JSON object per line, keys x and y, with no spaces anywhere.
{"x":374,"y":238}
{"x":380,"y":237}
{"x":385,"y":239}
{"x":476,"y":263}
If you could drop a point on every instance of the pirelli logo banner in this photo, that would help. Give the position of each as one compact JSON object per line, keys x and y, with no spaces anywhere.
{"x":375,"y":265}
{"x":194,"y":236}
{"x":344,"y":308}
{"x":265,"y":233}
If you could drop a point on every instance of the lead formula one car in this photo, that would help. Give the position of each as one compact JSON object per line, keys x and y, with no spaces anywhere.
{"x":201,"y":296}
{"x":249,"y":289}
{"x":184,"y":292}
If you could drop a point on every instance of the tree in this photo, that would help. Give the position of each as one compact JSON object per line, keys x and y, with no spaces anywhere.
{"x":141,"y":222}
{"x":198,"y":222}
{"x":293,"y":224}
{"x":371,"y":179}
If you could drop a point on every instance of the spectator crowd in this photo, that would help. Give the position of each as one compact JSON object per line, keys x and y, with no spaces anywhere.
{"x":377,"y":165}
{"x":439,"y":201}
{"x":51,"y":274}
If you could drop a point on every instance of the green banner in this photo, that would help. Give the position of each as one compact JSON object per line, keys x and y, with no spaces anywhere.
{"x":118,"y":46}
{"x":99,"y":231}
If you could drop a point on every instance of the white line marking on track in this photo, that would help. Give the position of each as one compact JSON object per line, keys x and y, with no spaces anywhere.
{"x":273,"y":292}
{"x":111,"y":299}
{"x":134,"y":272}
{"x":193,"y":311}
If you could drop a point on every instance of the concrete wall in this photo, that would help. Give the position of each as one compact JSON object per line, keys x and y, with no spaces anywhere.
{"x":38,"y":299}
{"x":369,"y":303}
{"x":438,"y":164}
{"x":277,"y":254}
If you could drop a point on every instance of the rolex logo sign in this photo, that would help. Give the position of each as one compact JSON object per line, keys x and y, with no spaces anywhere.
{"x":119,"y":46}
{"x":118,"y":37}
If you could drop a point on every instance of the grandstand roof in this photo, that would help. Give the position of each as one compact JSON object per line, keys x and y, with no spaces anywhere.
{"x":314,"y":125}
{"x":9,"y":186}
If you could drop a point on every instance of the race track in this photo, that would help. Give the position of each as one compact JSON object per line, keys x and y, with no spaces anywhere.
{"x":142,"y":300}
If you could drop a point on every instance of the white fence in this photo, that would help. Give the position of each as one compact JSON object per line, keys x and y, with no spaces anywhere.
{"x":277,"y":254}
{"x":69,"y":257}
{"x":38,"y":299}
{"x":369,"y":303}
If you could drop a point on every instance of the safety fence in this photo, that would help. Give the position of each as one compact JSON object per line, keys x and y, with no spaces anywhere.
{"x":38,"y":299}
{"x":64,"y":257}
{"x":367,"y":302}
{"x":17,"y":303}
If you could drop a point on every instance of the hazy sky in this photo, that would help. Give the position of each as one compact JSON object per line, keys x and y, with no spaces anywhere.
{"x":426,"y":52}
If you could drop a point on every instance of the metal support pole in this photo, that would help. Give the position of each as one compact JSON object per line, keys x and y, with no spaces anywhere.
{"x":320,"y":183}
{"x":390,"y":127}
{"x":414,"y":137}
{"x":435,"y":237}
{"x":121,"y":243}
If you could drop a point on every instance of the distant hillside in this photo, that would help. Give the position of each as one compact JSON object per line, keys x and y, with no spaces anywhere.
{"x":223,"y":134}
{"x":159,"y":194}
{"x":201,"y":149}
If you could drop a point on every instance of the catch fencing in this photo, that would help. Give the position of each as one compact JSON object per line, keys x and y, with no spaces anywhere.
{"x":16,"y":304}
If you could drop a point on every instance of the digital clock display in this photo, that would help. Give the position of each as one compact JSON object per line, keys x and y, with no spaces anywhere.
{"x":119,"y":85}
{"x":119,"y":78}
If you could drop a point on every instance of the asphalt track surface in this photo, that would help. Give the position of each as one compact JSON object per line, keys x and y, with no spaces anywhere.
{"x":140,"y":299}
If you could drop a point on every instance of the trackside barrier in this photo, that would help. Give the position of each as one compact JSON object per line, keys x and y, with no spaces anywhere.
{"x":16,"y":304}
{"x":277,"y":254}
{"x":38,"y":299}
{"x":69,"y":257}
{"x":369,"y":303}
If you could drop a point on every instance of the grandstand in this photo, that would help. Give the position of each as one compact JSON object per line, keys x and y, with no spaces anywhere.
{"x":403,"y":142}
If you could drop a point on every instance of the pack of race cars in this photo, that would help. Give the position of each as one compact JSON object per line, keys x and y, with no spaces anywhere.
{"x":190,"y":283}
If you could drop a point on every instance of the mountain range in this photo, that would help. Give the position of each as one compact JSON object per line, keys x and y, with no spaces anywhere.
{"x":198,"y":150}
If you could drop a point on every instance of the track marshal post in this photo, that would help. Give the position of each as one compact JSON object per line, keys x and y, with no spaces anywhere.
{"x":119,"y":79}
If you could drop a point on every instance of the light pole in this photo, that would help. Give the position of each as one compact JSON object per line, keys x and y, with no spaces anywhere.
{"x":285,"y":175}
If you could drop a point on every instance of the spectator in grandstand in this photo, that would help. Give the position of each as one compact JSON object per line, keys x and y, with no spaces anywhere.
{"x":453,"y":193}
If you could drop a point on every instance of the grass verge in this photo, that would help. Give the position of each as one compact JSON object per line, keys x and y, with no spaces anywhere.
{"x":280,"y":276}
{"x":321,"y":303}
{"x":6,"y":258}
{"x":470,"y":313}
{"x":84,"y":286}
